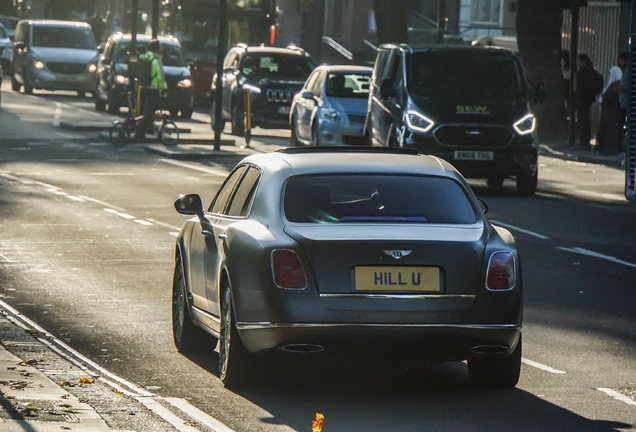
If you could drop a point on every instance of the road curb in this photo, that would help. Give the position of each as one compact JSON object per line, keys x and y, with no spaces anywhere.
{"x":567,"y":153}
{"x":186,"y":152}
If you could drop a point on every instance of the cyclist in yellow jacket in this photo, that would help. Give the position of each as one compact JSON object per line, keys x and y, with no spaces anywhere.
{"x":151,"y":90}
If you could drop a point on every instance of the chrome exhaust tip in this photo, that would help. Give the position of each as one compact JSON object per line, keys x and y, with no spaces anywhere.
{"x":490,"y":349}
{"x":303,"y":348}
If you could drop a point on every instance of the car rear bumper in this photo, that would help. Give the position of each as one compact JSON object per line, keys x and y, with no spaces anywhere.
{"x":442,"y":342}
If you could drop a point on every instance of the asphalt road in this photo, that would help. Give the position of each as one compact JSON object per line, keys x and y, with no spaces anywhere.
{"x":87,"y":247}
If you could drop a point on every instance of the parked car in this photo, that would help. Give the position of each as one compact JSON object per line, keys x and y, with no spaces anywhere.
{"x":468,"y":105}
{"x":6,"y":46}
{"x":273,"y":76}
{"x":113,"y":79}
{"x":331,"y":108}
{"x":9,"y":24}
{"x":318,"y":248}
{"x":54,"y":55}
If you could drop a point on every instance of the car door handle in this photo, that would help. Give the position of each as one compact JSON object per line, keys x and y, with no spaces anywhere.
{"x":222,"y":236}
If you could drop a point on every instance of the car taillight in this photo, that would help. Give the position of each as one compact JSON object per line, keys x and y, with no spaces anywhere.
{"x":501,"y":271}
{"x":287,"y":270}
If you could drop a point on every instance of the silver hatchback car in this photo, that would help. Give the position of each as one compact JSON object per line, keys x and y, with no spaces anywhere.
{"x":336,"y":248}
{"x":331,"y":109}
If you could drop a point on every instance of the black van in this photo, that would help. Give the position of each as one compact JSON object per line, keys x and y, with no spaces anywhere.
{"x":468,"y":105}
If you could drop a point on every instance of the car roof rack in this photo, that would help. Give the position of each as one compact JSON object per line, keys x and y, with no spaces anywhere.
{"x":350,"y":149}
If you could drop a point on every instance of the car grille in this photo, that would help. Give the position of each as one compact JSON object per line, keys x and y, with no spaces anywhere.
{"x":478,"y":136}
{"x":357,"y":118}
{"x":66,"y":68}
{"x":280,"y":95}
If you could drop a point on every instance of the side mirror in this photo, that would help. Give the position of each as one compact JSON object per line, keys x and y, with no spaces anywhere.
{"x":539,"y":93}
{"x":386,"y":89}
{"x":483,"y":205}
{"x":308,"y":95}
{"x":189,"y":205}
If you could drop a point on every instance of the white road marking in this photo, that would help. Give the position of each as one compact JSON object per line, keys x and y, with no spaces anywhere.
{"x":618,"y":396}
{"x":17,"y":179}
{"x":58,"y":114}
{"x":5,"y":258}
{"x":541,"y":366}
{"x":512,"y":227}
{"x":214,"y":171}
{"x":74,"y":198}
{"x":199,"y":415}
{"x":125,"y":215}
{"x":166,"y":414}
{"x":101,"y":202}
{"x":20,"y":149}
{"x":110,"y":174}
{"x":597,"y":255}
{"x":57,"y":192}
{"x":163,"y":224}
{"x":175,"y":234}
{"x":143,"y":222}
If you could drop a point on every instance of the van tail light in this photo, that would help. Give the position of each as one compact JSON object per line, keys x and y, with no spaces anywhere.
{"x":501,"y":271}
{"x":288,"y":270}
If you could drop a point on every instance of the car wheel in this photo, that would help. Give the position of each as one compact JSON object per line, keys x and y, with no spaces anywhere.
{"x":527,"y":184}
{"x":496,"y":181}
{"x":113,"y":108}
{"x":293,"y":142}
{"x":496,"y":371}
{"x":238,"y":120}
{"x":15,"y":85}
{"x":212,"y":116}
{"x":100,"y":104}
{"x":187,"y":337}
{"x":233,"y":356}
{"x":315,"y":135}
{"x":186,"y":114}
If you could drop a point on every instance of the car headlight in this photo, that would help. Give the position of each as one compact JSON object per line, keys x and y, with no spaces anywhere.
{"x":333,"y":115}
{"x":185,"y":83}
{"x":526,"y":125}
{"x":121,"y":79}
{"x":418,"y":122}
{"x":92,"y":68}
{"x":38,"y":64}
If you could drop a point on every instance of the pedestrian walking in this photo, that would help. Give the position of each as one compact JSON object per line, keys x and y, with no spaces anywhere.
{"x":610,"y":134}
{"x":152,"y":82}
{"x":588,"y":86}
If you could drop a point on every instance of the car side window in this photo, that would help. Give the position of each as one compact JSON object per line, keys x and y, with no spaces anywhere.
{"x":230,"y":61}
{"x":242,"y":199}
{"x":224,"y":194}
{"x":380,"y":62}
{"x":21,"y":33}
{"x":310,"y":82}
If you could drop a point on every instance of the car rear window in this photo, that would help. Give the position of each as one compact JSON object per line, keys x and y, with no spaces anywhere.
{"x":376,"y":198}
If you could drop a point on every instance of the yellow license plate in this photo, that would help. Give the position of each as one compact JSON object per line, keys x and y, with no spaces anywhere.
{"x":397,"y":279}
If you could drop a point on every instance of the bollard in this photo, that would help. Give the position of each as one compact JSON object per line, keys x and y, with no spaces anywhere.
{"x":138,"y":105}
{"x":248,"y":119}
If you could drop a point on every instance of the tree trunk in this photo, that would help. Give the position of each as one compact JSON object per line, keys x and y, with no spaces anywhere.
{"x":390,"y":19}
{"x":539,"y":39}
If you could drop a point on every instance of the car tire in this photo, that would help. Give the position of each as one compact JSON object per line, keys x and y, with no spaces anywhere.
{"x":496,"y":371}
{"x":238,"y":120}
{"x":100,"y":104}
{"x":212,"y":116}
{"x":234,"y":359}
{"x":15,"y":85}
{"x":496,"y":181}
{"x":187,"y":337}
{"x":315,"y":135}
{"x":293,"y":141}
{"x":527,"y":184}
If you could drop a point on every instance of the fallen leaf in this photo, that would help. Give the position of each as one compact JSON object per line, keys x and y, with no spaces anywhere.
{"x":85,"y":380}
{"x":66,"y":396}
{"x":11,"y":368}
{"x":64,"y":383}
{"x":318,"y":423}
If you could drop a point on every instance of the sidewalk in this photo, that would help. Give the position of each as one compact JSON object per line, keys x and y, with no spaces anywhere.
{"x":562,"y":150}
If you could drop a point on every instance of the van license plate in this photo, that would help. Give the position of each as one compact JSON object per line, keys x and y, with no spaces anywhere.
{"x":473,"y":155}
{"x":388,"y":278}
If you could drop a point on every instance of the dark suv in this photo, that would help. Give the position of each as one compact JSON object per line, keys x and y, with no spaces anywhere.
{"x":468,"y":105}
{"x":113,"y":77}
{"x":272,"y":75}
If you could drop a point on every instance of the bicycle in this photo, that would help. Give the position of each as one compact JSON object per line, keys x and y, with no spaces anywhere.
{"x":121,"y":130}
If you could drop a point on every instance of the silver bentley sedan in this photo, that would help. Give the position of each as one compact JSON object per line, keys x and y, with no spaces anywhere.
{"x":322,"y":248}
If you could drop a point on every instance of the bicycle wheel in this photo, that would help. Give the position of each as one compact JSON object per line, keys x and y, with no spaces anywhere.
{"x":169,"y":133}
{"x":119,"y":134}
